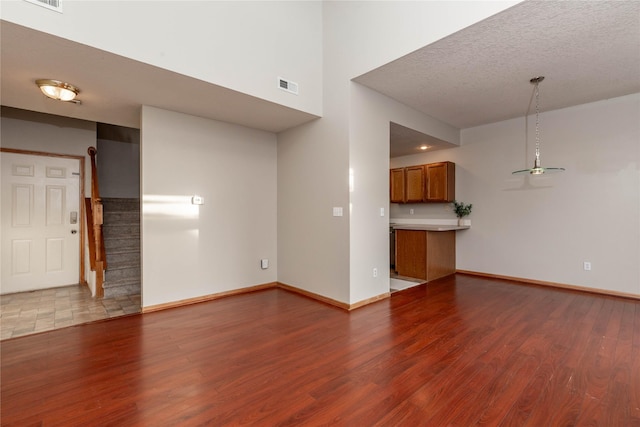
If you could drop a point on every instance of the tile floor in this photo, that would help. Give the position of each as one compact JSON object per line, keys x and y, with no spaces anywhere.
{"x":398,"y":283}
{"x":27,"y":313}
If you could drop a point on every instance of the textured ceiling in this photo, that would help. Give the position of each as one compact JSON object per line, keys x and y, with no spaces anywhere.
{"x":587,"y":50}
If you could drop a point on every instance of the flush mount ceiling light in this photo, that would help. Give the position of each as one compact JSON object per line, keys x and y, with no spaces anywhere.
{"x":537,"y":169}
{"x":55,"y":89}
{"x":424,"y":147}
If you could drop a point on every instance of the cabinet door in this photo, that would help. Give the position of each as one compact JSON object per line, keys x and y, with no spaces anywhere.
{"x":396,"y":184}
{"x":415,"y":184}
{"x":411,"y":253}
{"x":440,"y":182}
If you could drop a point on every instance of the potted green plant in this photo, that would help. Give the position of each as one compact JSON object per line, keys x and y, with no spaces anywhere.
{"x":461,"y":210}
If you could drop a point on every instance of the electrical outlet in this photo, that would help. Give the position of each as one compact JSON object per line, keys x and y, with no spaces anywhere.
{"x":410,"y":211}
{"x":375,"y":272}
{"x":587,"y":266}
{"x":264,"y":263}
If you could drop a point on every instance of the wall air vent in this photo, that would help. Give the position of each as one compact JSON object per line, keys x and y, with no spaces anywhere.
{"x":288,"y":85}
{"x":49,"y":4}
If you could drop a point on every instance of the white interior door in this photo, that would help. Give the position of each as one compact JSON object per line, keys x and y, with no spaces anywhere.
{"x":40,"y":215}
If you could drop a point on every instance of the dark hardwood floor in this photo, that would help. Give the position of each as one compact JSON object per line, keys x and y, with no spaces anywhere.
{"x":461,"y":351}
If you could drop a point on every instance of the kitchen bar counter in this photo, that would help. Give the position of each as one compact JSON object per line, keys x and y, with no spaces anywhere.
{"x":425,"y":251}
{"x":429,"y":227}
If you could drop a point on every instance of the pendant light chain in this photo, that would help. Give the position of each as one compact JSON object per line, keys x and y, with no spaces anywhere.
{"x":537,"y":123}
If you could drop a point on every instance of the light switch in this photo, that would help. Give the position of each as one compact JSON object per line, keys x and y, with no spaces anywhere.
{"x":337,"y":211}
{"x":381,"y":211}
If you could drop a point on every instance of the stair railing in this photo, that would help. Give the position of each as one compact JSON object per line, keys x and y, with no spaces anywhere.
{"x":93,"y":206}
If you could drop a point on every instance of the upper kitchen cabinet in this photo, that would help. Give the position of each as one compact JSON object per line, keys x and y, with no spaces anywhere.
{"x":432,"y":183}
{"x":414,"y":188}
{"x":396,"y":179}
{"x":441,"y":182}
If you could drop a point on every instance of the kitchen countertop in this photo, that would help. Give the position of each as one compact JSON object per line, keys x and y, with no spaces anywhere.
{"x":429,"y":227}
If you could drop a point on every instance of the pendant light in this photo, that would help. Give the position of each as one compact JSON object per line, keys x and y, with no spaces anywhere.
{"x":537,"y":169}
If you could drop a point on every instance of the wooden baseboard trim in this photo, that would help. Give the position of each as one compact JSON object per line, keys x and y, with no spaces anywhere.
{"x":335,"y":303}
{"x":369,"y":300}
{"x":209,"y":297}
{"x":326,"y":300}
{"x":316,"y":297}
{"x":552,"y":284}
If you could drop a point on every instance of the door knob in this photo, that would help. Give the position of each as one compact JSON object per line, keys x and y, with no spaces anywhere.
{"x":74,"y":231}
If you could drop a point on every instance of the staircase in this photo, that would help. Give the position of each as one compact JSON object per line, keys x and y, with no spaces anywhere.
{"x":121,"y":230}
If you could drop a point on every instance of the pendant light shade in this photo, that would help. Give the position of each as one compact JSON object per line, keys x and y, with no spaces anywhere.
{"x":55,"y":89}
{"x":537,"y":169}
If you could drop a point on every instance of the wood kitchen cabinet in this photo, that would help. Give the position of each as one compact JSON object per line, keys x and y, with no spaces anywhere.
{"x":426,"y":255}
{"x":441,"y":182}
{"x":434,"y":183}
{"x":414,"y":184}
{"x":396,"y":184}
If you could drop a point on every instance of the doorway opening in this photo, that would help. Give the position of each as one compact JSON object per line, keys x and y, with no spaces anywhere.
{"x":407,"y":148}
{"x":61,"y":303}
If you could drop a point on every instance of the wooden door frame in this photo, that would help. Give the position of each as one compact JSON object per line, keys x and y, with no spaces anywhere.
{"x":81,"y":279}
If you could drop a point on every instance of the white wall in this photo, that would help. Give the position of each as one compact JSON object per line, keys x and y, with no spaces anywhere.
{"x":27,"y":130}
{"x":314,"y":159}
{"x":190,"y":251}
{"x":313,"y":246}
{"x":543,"y":228}
{"x":118,"y":169}
{"x":240,"y":45}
